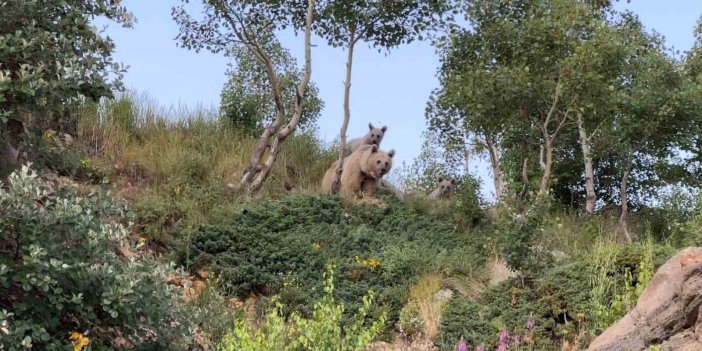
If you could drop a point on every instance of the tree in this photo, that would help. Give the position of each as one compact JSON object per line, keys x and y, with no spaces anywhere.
{"x":648,"y":118}
{"x":506,"y":76}
{"x":381,"y":24}
{"x":51,"y":58}
{"x":246,"y":101}
{"x":228,"y":26}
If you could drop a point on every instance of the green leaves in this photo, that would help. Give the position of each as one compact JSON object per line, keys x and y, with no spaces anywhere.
{"x":323,"y":331}
{"x":381,"y":24}
{"x":247,"y":102}
{"x":51,"y":55}
{"x":61,"y":276}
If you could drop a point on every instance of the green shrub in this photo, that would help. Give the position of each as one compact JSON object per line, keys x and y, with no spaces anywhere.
{"x":557,"y":302}
{"x":571,"y":301}
{"x":379,"y":249}
{"x":322,"y":331}
{"x":462,"y":320}
{"x":411,"y":321}
{"x":619,"y":276}
{"x":518,"y":236}
{"x":58,"y":275}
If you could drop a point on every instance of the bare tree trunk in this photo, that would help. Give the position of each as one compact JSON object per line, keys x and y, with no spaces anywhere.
{"x":624,"y":216}
{"x":496,"y":164}
{"x":525,"y":179}
{"x":257,"y":173}
{"x":590,"y":197}
{"x":336,"y":184}
{"x":546,"y":157}
{"x":546,"y":164}
{"x":397,"y":192}
{"x":299,"y":103}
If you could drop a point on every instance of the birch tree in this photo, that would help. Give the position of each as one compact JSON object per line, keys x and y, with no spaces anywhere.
{"x":251,"y":25}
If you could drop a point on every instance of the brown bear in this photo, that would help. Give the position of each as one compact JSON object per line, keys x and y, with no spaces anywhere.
{"x":361,"y":172}
{"x":374,"y":137}
{"x":444,"y":189}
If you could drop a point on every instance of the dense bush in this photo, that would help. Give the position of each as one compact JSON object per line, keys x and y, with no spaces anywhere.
{"x":561,"y":295}
{"x":58,"y":275}
{"x":564,"y":302}
{"x":379,"y":249}
{"x":323,"y":331}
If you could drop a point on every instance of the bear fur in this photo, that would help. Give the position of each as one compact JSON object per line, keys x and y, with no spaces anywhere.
{"x":374,"y":137}
{"x":444,"y":189}
{"x":361,"y":172}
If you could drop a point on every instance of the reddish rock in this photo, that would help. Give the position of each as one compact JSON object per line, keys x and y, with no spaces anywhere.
{"x":668,"y":312}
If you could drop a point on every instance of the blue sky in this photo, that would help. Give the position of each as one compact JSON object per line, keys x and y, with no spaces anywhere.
{"x":387,"y":90}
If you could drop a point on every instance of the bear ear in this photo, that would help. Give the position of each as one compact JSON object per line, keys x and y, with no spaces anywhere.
{"x":453,"y":181}
{"x":391,"y":153}
{"x":441,"y":179}
{"x":374,"y":148}
{"x":370,"y":126}
{"x":384,"y":129}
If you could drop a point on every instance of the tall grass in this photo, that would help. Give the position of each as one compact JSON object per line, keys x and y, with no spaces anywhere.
{"x":179,"y":165}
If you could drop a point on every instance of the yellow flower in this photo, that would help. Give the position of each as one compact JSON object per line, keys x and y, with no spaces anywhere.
{"x":177,"y":190}
{"x":142,"y":240}
{"x":48,"y":135}
{"x":316,"y":246}
{"x":79,"y":341}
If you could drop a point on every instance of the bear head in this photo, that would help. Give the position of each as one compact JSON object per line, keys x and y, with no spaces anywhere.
{"x":375,"y":135}
{"x":445,"y":186}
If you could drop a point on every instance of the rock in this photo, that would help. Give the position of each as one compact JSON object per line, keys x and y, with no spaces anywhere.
{"x":443,"y":295}
{"x":176,"y":280}
{"x":558,"y":255}
{"x":192,"y":292}
{"x":499,"y":272}
{"x":235,"y":303}
{"x":203,"y":274}
{"x":124,"y":251}
{"x":668,"y":312}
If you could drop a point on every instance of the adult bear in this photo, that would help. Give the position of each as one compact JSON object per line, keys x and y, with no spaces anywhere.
{"x":361,"y":172}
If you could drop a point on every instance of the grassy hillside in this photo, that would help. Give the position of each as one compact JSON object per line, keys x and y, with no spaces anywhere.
{"x":173,"y":169}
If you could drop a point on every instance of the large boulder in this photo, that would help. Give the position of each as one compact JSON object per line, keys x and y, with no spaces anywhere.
{"x":667,"y":313}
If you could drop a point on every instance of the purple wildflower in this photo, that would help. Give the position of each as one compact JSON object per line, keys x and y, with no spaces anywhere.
{"x":530,"y":324}
{"x":501,"y":347}
{"x":462,"y":346}
{"x":516,"y":339}
{"x":504,"y":337}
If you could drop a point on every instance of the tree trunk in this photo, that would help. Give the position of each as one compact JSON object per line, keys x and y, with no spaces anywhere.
{"x":590,"y":197}
{"x":546,"y":164}
{"x":525,"y":179}
{"x":257,"y":173}
{"x":495,"y":163}
{"x":388,"y":186}
{"x":10,"y":134}
{"x":546,"y":157}
{"x":336,"y":184}
{"x":624,"y":216}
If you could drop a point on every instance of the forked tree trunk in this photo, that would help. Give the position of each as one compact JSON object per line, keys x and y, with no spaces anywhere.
{"x":624,"y":216}
{"x":590,"y":197}
{"x":546,"y":157}
{"x":257,"y":173}
{"x":496,"y":164}
{"x":336,"y":183}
